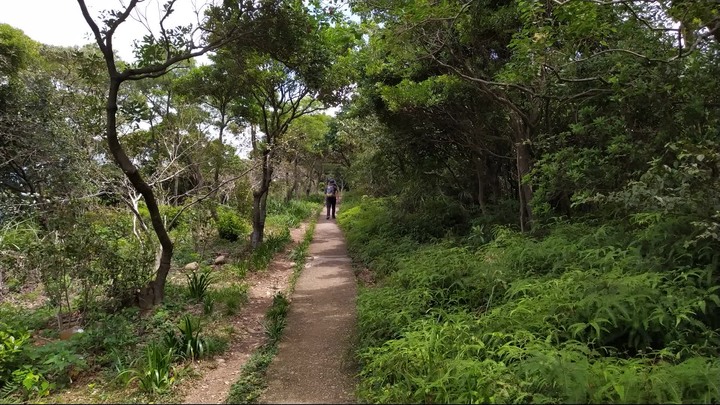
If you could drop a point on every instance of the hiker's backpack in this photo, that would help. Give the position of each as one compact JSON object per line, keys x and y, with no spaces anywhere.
{"x":330,"y":190}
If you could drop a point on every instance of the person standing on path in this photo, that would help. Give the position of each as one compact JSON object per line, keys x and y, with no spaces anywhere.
{"x":330,"y":198}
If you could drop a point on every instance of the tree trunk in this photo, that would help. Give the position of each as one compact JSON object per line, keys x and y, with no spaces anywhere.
{"x":310,"y":179}
{"x":524,"y":165}
{"x":292,"y":190}
{"x":288,"y":194}
{"x":216,"y":172}
{"x":134,"y":201}
{"x":260,"y":201}
{"x":258,"y":219}
{"x":480,"y":171}
{"x":153,"y":294}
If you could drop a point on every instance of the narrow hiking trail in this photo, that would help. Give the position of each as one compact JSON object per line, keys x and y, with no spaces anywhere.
{"x":219,"y":374}
{"x":315,"y":362}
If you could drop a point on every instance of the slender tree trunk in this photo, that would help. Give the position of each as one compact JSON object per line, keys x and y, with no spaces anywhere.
{"x":154,"y":292}
{"x":292,"y":190}
{"x":176,"y":179}
{"x":134,"y":201}
{"x":480,"y":172}
{"x":216,"y":172}
{"x":524,"y":165}
{"x":310,"y":179}
{"x":260,"y":201}
{"x":258,"y":219}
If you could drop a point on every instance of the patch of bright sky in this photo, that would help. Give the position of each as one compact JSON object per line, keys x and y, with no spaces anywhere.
{"x":61,"y":23}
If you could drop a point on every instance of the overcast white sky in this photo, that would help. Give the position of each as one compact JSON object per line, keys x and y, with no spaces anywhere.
{"x":60,"y":22}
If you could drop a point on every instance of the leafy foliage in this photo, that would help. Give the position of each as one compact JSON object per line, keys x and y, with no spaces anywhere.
{"x":581,"y":315}
{"x":11,"y":345}
{"x":155,"y":375}
{"x":198,"y":283}
{"x":263,"y":255}
{"x":289,"y":214}
{"x":96,"y":240}
{"x":230,"y":226}
{"x":188,"y":343}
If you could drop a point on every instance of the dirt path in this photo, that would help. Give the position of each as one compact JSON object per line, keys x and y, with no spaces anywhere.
{"x":314,"y":361}
{"x":220,"y":373}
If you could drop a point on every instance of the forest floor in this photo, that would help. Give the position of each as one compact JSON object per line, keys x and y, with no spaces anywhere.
{"x":208,"y":381}
{"x":218,"y":374}
{"x":315,"y":362}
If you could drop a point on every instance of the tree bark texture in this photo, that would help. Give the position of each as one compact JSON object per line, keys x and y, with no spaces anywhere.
{"x":260,"y":200}
{"x":153,"y":293}
{"x":524,"y":162}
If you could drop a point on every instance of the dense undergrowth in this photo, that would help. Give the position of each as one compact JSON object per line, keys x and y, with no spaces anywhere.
{"x":58,"y":328}
{"x":576,"y":312}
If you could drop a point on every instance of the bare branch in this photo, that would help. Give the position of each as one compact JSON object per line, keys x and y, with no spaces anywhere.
{"x":578,"y":80}
{"x":598,"y":2}
{"x":208,"y":194}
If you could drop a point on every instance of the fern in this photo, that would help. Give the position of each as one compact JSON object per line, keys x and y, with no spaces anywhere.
{"x":9,"y":388}
{"x":582,"y":315}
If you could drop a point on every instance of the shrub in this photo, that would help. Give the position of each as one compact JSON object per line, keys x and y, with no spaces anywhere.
{"x":28,"y":383}
{"x":436,"y":361}
{"x":15,"y":240}
{"x":57,"y":361}
{"x":188,"y":343}
{"x":106,"y":333}
{"x":96,"y":254}
{"x":229,"y":224}
{"x":578,"y":313}
{"x":315,"y":198}
{"x":198,"y":283}
{"x":32,"y":371}
{"x":281,"y":214}
{"x":12,"y":342}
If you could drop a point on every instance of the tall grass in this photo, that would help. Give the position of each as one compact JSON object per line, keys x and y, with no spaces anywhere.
{"x":288,"y":214}
{"x":263,"y":255}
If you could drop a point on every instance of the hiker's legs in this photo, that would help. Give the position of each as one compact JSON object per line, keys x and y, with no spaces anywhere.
{"x":327,"y":205}
{"x":332,"y":202}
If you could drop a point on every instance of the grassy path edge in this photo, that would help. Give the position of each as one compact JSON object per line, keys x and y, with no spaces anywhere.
{"x":251,"y":382}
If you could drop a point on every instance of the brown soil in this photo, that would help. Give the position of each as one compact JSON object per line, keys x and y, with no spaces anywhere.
{"x":208,"y":381}
{"x":220,"y":373}
{"x":314,"y":363}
